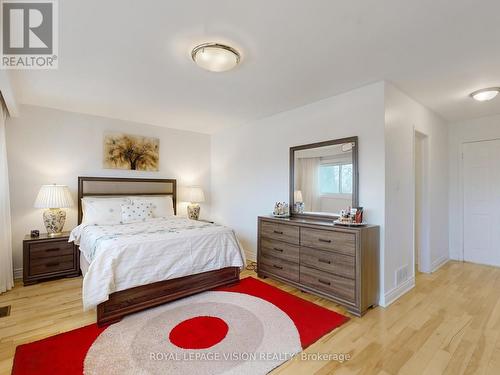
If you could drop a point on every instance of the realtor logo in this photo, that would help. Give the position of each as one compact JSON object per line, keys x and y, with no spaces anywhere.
{"x":29,"y":34}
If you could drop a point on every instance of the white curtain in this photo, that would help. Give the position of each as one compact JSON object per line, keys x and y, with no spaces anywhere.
{"x":6,"y":274}
{"x":308,"y":182}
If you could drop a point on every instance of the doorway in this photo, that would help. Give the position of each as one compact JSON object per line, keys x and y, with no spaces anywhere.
{"x":481,"y":178}
{"x":421,"y":204}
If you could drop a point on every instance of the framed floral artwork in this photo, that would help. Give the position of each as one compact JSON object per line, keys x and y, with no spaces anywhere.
{"x":133,"y":152}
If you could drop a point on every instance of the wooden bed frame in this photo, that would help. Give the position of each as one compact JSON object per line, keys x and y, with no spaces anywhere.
{"x":143,"y":297}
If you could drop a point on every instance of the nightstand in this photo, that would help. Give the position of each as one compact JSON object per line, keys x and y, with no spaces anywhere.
{"x":47,"y":257}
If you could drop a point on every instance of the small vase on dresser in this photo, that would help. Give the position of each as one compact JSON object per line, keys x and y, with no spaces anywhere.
{"x":337,"y":263}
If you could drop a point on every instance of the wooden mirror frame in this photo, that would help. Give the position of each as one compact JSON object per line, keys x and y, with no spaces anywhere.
{"x":355,"y":175}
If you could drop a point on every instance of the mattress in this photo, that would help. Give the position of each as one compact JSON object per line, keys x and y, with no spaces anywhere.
{"x":123,"y":256}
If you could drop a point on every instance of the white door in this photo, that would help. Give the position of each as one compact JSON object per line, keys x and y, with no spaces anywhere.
{"x":481,"y":179}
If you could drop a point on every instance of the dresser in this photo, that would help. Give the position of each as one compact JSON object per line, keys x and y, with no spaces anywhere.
{"x":47,"y":257}
{"x":338,"y":263}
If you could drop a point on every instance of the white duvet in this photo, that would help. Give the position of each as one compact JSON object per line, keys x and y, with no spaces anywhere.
{"x":124,"y":256}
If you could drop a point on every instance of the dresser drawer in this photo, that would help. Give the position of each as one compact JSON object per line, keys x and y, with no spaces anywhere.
{"x":338,"y":286}
{"x":279,"y":267}
{"x":281,"y":232}
{"x":50,"y":249}
{"x":279,"y":249}
{"x":341,"y":242}
{"x":49,"y":265}
{"x":342,"y":265}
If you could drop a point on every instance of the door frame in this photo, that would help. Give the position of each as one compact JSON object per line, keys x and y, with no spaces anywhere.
{"x":424,"y":261}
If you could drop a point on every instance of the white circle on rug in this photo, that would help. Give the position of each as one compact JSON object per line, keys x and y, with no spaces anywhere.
{"x":260,"y":337}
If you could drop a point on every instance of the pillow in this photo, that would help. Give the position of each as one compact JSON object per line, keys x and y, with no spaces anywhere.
{"x":137,"y":211}
{"x":103,"y":210}
{"x":163,"y":206}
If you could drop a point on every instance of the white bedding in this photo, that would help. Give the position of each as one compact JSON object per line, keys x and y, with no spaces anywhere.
{"x":124,"y":256}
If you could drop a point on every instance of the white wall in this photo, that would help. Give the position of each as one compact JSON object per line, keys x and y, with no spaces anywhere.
{"x":46,"y":146}
{"x":403,"y":115}
{"x":250,"y":163}
{"x":480,"y":129}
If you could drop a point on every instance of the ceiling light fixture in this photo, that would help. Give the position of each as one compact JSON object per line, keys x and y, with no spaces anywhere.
{"x":215,"y":57}
{"x":485,"y":94}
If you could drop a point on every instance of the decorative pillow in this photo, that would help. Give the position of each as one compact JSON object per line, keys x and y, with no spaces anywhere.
{"x":163,"y":206}
{"x":103,"y":210}
{"x":137,"y":211}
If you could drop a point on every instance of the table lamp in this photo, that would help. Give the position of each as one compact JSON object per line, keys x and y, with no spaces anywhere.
{"x":298,"y":202}
{"x":194,"y":196}
{"x":54,"y":197}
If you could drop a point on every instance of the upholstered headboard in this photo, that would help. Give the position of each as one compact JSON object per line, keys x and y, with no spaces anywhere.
{"x":112,"y":186}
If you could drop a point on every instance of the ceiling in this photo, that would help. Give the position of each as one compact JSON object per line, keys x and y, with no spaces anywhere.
{"x":131,"y":59}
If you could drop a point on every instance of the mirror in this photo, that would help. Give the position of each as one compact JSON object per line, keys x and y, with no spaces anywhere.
{"x":324,"y":178}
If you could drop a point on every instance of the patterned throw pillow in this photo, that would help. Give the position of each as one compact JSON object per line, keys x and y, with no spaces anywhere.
{"x":137,"y":211}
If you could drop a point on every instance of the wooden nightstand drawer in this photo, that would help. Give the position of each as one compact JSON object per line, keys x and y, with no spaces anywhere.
{"x":48,"y":257}
{"x":50,"y":249}
{"x":50,"y":265}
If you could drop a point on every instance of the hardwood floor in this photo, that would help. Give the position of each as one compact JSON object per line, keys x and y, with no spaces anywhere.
{"x":448,"y":324}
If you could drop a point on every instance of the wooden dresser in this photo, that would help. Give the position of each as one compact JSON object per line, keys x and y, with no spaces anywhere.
{"x":338,"y":263}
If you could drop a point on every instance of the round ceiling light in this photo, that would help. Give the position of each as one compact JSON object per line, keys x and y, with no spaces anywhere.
{"x":485,"y":94}
{"x":215,"y":57}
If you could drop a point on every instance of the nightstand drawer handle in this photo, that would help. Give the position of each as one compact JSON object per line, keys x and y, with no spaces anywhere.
{"x":278,"y":232}
{"x":278,"y":249}
{"x":323,"y":240}
{"x":324,"y":261}
{"x":278,"y":267}
{"x":52,"y":264}
{"x":324,"y":282}
{"x":51,"y":250}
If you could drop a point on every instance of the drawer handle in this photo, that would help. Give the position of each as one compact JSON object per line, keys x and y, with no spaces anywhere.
{"x":278,"y":249}
{"x":52,"y":264}
{"x":51,"y":250}
{"x":278,"y":232}
{"x":278,"y":267}
{"x":324,"y":261}
{"x":324,"y":282}
{"x":323,"y":240}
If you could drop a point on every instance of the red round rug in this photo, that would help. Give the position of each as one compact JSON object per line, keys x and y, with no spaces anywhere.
{"x":200,"y":332}
{"x":250,"y":327}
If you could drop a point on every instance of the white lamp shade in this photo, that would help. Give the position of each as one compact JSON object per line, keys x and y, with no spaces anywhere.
{"x":297,"y":196}
{"x":195,"y":194}
{"x":53,"y":196}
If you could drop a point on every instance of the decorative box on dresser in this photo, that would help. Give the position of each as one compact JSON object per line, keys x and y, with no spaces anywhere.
{"x":47,"y":257}
{"x":338,"y":263}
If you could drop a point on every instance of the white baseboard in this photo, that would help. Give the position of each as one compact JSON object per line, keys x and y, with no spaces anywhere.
{"x":392,"y":295}
{"x":438,"y":263}
{"x":250,"y":255}
{"x":456,"y":256}
{"x":18,"y":273}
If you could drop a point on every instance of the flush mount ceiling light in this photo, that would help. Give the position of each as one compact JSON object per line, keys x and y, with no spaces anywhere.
{"x":485,"y":94}
{"x":215,"y":57}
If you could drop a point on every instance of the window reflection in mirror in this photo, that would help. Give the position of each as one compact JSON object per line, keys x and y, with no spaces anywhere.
{"x":323,"y":178}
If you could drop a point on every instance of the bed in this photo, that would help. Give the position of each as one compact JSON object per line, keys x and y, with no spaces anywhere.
{"x":129,"y":267}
